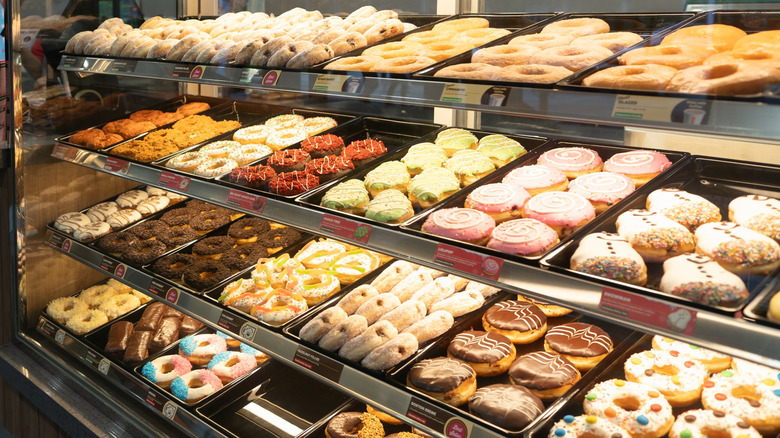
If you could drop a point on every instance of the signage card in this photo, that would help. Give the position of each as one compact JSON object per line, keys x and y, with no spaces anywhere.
{"x":64,"y":152}
{"x":246,"y":200}
{"x":437,"y":419}
{"x":635,"y":307}
{"x":467,"y":261}
{"x":113,"y":267}
{"x":173,"y":181}
{"x":317,"y":363}
{"x":345,"y":228}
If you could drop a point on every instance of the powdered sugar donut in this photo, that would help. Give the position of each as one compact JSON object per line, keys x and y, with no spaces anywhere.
{"x":602,"y":189}
{"x":564,"y":212}
{"x":537,"y":178}
{"x":573,"y":161}
{"x":737,"y":248}
{"x":460,"y":303}
{"x":679,"y":378}
{"x":714,"y":361}
{"x":758,"y":408}
{"x":610,"y":256}
{"x":640,"y":166}
{"x":685,"y":208}
{"x":703,"y":280}
{"x":654,"y":236}
{"x":759,"y":213}
{"x":700,"y":423}
{"x":637,"y":408}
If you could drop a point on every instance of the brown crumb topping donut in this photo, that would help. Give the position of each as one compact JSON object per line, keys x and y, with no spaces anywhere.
{"x":198,"y":206}
{"x":248,"y":227}
{"x":178,"y":217}
{"x":280,"y":238}
{"x":177,"y":236}
{"x":173,"y":266}
{"x":243,"y":256}
{"x":205,"y":274}
{"x":210,"y":220}
{"x":212,"y":246}
{"x":143,"y":252}
{"x":149,"y":229}
{"x":355,"y":425}
{"x":116,"y":243}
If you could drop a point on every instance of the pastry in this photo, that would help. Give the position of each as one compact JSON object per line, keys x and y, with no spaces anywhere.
{"x":654,"y":236}
{"x":431,"y":186}
{"x":685,"y":208}
{"x":564,"y":212}
{"x":610,"y":256}
{"x":488,"y":353}
{"x":547,"y":375}
{"x":584,"y":345}
{"x":702,"y":280}
{"x":501,"y":201}
{"x":738,"y":249}
{"x":537,"y":178}
{"x":759,"y":213}
{"x":448,"y":380}
{"x":390,"y":207}
{"x":520,"y":321}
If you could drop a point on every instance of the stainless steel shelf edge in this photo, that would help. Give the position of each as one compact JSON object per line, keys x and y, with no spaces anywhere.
{"x":725,"y":117}
{"x":711,"y":330}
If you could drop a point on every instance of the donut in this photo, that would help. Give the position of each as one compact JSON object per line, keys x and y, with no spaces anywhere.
{"x":677,"y":56}
{"x":259,"y":356}
{"x":759,"y":40}
{"x":543,"y":40}
{"x":729,"y":79}
{"x":310,"y":56}
{"x":547,"y":375}
{"x":317,"y":327}
{"x":719,"y":37}
{"x":464,"y":224}
{"x":279,"y":307}
{"x":320,"y":254}
{"x":639,"y":165}
{"x":469,"y":165}
{"x":195,"y":385}
{"x":283,"y":138}
{"x":460,"y":303}
{"x":423,"y":156}
{"x":679,"y":378}
{"x":173,"y":266}
{"x":374,"y":336}
{"x":610,"y":256}
{"x":391,"y":353}
{"x":350,"y":302}
{"x":602,"y":189}
{"x":714,"y":361}
{"x":256,"y":134}
{"x":584,"y":345}
{"x":85,"y":321}
{"x":405,"y":315}
{"x":564,"y":212}
{"x":264,"y":54}
{"x":461,"y":24}
{"x":431,"y":186}
{"x":488,"y":353}
{"x":344,"y":331}
{"x":520,"y":321}
{"x":536,"y":179}
{"x":637,"y":408}
{"x":550,"y":310}
{"x":119,"y":304}
{"x":433,"y":292}
{"x":654,"y":236}
{"x":426,"y":37}
{"x":323,"y":145}
{"x":243,"y":256}
{"x":152,"y":205}
{"x":525,"y":237}
{"x":477,"y":37}
{"x":501,"y":201}
{"x":186,"y":162}
{"x":377,"y":306}
{"x":316,"y":125}
{"x":577,"y":26}
{"x":504,"y":55}
{"x":164,"y":369}
{"x":698,"y":423}
{"x":402,"y":64}
{"x":354,"y":425}
{"x":431,"y":326}
{"x":443,"y":50}
{"x":247,"y":230}
{"x":177,"y":217}
{"x":383,"y":30}
{"x":389,"y":206}
{"x":209,"y":220}
{"x":500,"y":149}
{"x":702,"y":280}
{"x":360,"y":151}
{"x":573,"y":161}
{"x":511,"y":407}
{"x":219,"y":149}
{"x":394,"y":49}
{"x":360,"y":13}
{"x":614,"y":41}
{"x":95,"y":295}
{"x":213,"y":167}
{"x":205,"y":274}
{"x":347,"y":42}
{"x":388,"y":175}
{"x":230,"y":365}
{"x":101,"y":212}
{"x":632,"y":77}
{"x":315,"y":285}
{"x":758,"y":213}
{"x":212,"y":247}
{"x":738,"y":249}
{"x":62,"y":309}
{"x":586,"y":426}
{"x":131,"y":198}
{"x":200,"y":349}
{"x":144,"y":252}
{"x":754,"y":401}
{"x":448,"y":380}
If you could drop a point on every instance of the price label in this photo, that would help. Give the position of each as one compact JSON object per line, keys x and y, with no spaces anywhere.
{"x":161,"y":404}
{"x":73,"y":62}
{"x":260,"y":77}
{"x":468,"y":261}
{"x":47,"y":327}
{"x":123,"y":66}
{"x":173,"y":181}
{"x":59,"y":242}
{"x":64,"y":152}
{"x":345,"y":228}
{"x":97,"y":361}
{"x":339,"y":83}
{"x":164,"y":291}
{"x":188,"y":71}
{"x":475,"y":94}
{"x":237,"y":324}
{"x":319,"y":364}
{"x":116,"y":165}
{"x":649,"y":311}
{"x":661,"y":109}
{"x":437,"y":419}
{"x":113,"y":267}
{"x":246,"y":201}
{"x":60,"y":336}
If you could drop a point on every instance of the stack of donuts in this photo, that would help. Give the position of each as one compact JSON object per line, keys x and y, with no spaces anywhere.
{"x":561,"y":48}
{"x":296,"y":38}
{"x":711,"y":59}
{"x":677,"y":375}
{"x":421,"y":49}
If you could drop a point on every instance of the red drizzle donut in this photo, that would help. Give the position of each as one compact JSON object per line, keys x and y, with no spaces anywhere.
{"x":360,"y":150}
{"x":585,"y":345}
{"x":330,"y":167}
{"x":253,"y":176}
{"x":293,"y":183}
{"x":288,"y":160}
{"x":323,"y":145}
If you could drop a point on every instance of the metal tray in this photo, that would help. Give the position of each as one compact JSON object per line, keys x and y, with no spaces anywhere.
{"x":719,"y":181}
{"x":750,"y":22}
{"x":414,"y":224}
{"x":396,"y":135}
{"x":646,"y":25}
{"x":314,"y":198}
{"x":758,"y":309}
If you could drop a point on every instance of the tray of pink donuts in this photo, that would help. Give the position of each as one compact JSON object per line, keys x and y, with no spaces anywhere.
{"x":524,"y":210}
{"x":704,"y":234}
{"x":664,"y":387}
{"x":540,"y":56}
{"x":515,"y":363}
{"x":722,"y":54}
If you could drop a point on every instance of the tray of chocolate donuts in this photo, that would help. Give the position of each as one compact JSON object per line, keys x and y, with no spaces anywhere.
{"x":515,"y":363}
{"x":278,"y":128}
{"x":421,"y":176}
{"x":269,"y":404}
{"x":543,"y":55}
{"x":402,"y":55}
{"x":721,"y":54}
{"x":387,"y":318}
{"x":312,"y":161}
{"x":225,"y":253}
{"x":705,"y":234}
{"x":115,"y":213}
{"x":667,"y":387}
{"x":525,"y":209}
{"x":355,"y":415}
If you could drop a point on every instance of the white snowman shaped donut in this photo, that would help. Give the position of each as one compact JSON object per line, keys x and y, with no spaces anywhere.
{"x":701,"y":279}
{"x":737,"y":248}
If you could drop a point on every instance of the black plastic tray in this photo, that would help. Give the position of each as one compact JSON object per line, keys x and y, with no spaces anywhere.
{"x":314,"y":198}
{"x":749,"y":21}
{"x":718,"y":181}
{"x":352,"y":405}
{"x":396,"y":135}
{"x":646,"y":25}
{"x":757,"y":309}
{"x":414,"y":224}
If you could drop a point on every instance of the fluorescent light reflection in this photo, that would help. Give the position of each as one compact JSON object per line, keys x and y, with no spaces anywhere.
{"x":269,"y":417}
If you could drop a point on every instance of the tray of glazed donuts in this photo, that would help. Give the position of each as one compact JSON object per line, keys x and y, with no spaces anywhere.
{"x":280,"y":129}
{"x":384,"y":321}
{"x":225,"y":253}
{"x":405,"y":54}
{"x":666,"y":387}
{"x":546,"y":55}
{"x":278,"y":289}
{"x":421,"y":176}
{"x":114,"y":214}
{"x":315,"y":160}
{"x":524,"y":210}
{"x":723,"y":54}
{"x":705,"y":234}
{"x":514,"y":364}
{"x":356,"y":415}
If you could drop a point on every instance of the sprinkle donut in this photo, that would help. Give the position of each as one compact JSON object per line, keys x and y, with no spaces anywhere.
{"x":195,"y":385}
{"x":757,"y":212}
{"x":163,"y":370}
{"x":589,"y":426}
{"x":610,"y":256}
{"x":200,"y":349}
{"x":637,"y":408}
{"x":712,"y":360}
{"x":687,"y":209}
{"x":700,"y":423}
{"x":280,"y":307}
{"x":755,"y":401}
{"x":230,"y":365}
{"x":678,"y":378}
{"x":315,"y":285}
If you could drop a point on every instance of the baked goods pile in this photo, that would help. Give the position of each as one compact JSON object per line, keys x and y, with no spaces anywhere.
{"x":703,"y":257}
{"x":421,"y":49}
{"x":296,"y":38}
{"x":137,"y":123}
{"x":95,"y":306}
{"x":558,"y":50}
{"x":105,"y":217}
{"x":679,"y":375}
{"x":711,"y":59}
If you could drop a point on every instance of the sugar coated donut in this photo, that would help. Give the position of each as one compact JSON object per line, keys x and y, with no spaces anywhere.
{"x":195,"y":385}
{"x":356,"y":297}
{"x":754,"y":400}
{"x":614,"y":41}
{"x":432,"y":326}
{"x":565,"y":212}
{"x":374,"y":336}
{"x":543,"y":40}
{"x":473,"y":70}
{"x":679,"y":378}
{"x":699,"y":423}
{"x":533,"y":73}
{"x":391,"y":352}
{"x":573,"y":58}
{"x":402,"y":64}
{"x":730,"y":79}
{"x":200,"y":349}
{"x":460,"y":303}
{"x":164,"y":369}
{"x":504,"y":55}
{"x":347,"y":329}
{"x":85,"y":321}
{"x":584,"y":345}
{"x":632,"y":77}
{"x":230,"y":365}
{"x":547,"y":375}
{"x":610,"y":256}
{"x":602,"y":189}
{"x":577,"y":26}
{"x":322,"y":324}
{"x":639,"y":165}
{"x":637,"y":408}
{"x":586,"y":426}
{"x":61,"y":309}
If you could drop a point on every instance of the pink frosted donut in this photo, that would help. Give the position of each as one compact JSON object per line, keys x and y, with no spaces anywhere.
{"x":564,"y":212}
{"x":602,"y":189}
{"x":463,"y":224}
{"x":525,"y":237}
{"x":639,"y":165}
{"x":501,"y":201}
{"x":230,"y":365}
{"x":537,"y":179}
{"x":163,"y":370}
{"x":195,"y":385}
{"x":573,"y":161}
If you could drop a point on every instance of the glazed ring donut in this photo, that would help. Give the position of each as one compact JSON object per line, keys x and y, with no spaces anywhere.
{"x":700,"y":423}
{"x":120,"y":304}
{"x":403,"y":64}
{"x":462,"y":24}
{"x":759,"y":406}
{"x":345,"y":424}
{"x":426,"y":37}
{"x":391,"y":353}
{"x":724,"y":79}
{"x":383,"y":30}
{"x":347,"y":329}
{"x":281,"y":306}
{"x":532,"y":73}
{"x":77,"y":42}
{"x":195,"y":385}
{"x":354,"y":63}
{"x":502,"y":56}
{"x":632,"y":77}
{"x":311,"y":56}
{"x":164,"y":369}
{"x":85,"y":321}
{"x":348,"y":42}
{"x":61,"y":309}
{"x":571,"y":57}
{"x":230,"y":365}
{"x":322,"y":324}
{"x":542,"y":40}
{"x":477,"y":37}
{"x":677,"y":56}
{"x":584,"y":426}
{"x":374,"y":336}
{"x":614,"y":41}
{"x":394,"y":49}
{"x":637,"y":408}
{"x":753,"y":55}
{"x":443,"y":50}
{"x":577,"y":26}
{"x":256,"y":134}
{"x":678,"y":378}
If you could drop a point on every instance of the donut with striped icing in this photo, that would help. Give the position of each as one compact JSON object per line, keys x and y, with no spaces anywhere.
{"x":520,"y":321}
{"x":511,"y":407}
{"x":525,"y":237}
{"x":573,"y":161}
{"x":488,"y":353}
{"x":230,"y":365}
{"x":565,"y":212}
{"x":585,"y":345}
{"x":448,"y":380}
{"x":547,"y":375}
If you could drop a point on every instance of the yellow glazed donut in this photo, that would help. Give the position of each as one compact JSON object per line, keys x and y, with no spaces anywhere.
{"x":571,"y":57}
{"x":502,"y":56}
{"x":614,"y":41}
{"x":462,"y":24}
{"x":533,"y":73}
{"x":679,"y":378}
{"x":480,"y":36}
{"x":394,"y":49}
{"x":678,"y":56}
{"x":354,"y":63}
{"x":632,"y":77}
{"x":577,"y":26}
{"x":729,"y":79}
{"x":403,"y":64}
{"x":637,"y":408}
{"x":701,"y":423}
{"x":755,"y":400}
{"x":542,"y":40}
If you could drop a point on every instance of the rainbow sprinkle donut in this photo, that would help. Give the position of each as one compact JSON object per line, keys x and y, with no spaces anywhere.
{"x":640,"y":409}
{"x":700,"y":423}
{"x":587,"y":426}
{"x":679,"y":378}
{"x":757,"y":401}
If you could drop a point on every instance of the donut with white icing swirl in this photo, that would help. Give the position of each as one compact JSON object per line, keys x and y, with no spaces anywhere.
{"x":525,"y":237}
{"x":640,"y":166}
{"x":602,"y":189}
{"x":462,"y":224}
{"x":573,"y":161}
{"x":565,"y":212}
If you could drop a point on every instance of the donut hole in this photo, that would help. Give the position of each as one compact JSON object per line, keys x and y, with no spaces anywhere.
{"x":231,"y":362}
{"x":628,"y":403}
{"x":167,"y":368}
{"x":746,"y":392}
{"x":714,"y":432}
{"x":196,"y":383}
{"x":722,"y":71}
{"x":666,"y":370}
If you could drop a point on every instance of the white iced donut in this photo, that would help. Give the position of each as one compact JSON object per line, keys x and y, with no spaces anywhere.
{"x":637,"y":408}
{"x":753,"y":400}
{"x":703,"y":280}
{"x":701,"y":423}
{"x":712,"y":360}
{"x":759,"y":213}
{"x":737,"y":248}
{"x":679,"y":378}
{"x":682,"y":207}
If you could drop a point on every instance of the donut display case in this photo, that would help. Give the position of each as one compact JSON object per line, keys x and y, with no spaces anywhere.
{"x":409,"y":296}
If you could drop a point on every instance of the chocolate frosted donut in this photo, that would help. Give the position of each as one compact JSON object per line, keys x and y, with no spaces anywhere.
{"x":116,"y":243}
{"x":547,"y":375}
{"x":173,"y":266}
{"x":280,"y":238}
{"x":446,"y":379}
{"x":177,"y":236}
{"x":583,"y":344}
{"x":213,"y":247}
{"x":149,"y":229}
{"x":197,"y":206}
{"x":248,"y":228}
{"x":342,"y":425}
{"x":209,"y":220}
{"x":520,"y":321}
{"x":205,"y":274}
{"x":508,"y":406}
{"x":143,"y":252}
{"x":244,"y":256}
{"x":178,"y":217}
{"x":488,"y":353}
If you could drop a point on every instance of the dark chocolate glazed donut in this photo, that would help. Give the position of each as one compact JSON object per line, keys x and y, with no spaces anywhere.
{"x":440,"y":374}
{"x":515,"y":315}
{"x":542,"y":370}
{"x":509,"y":406}
{"x":578,"y":339}
{"x":480,"y":347}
